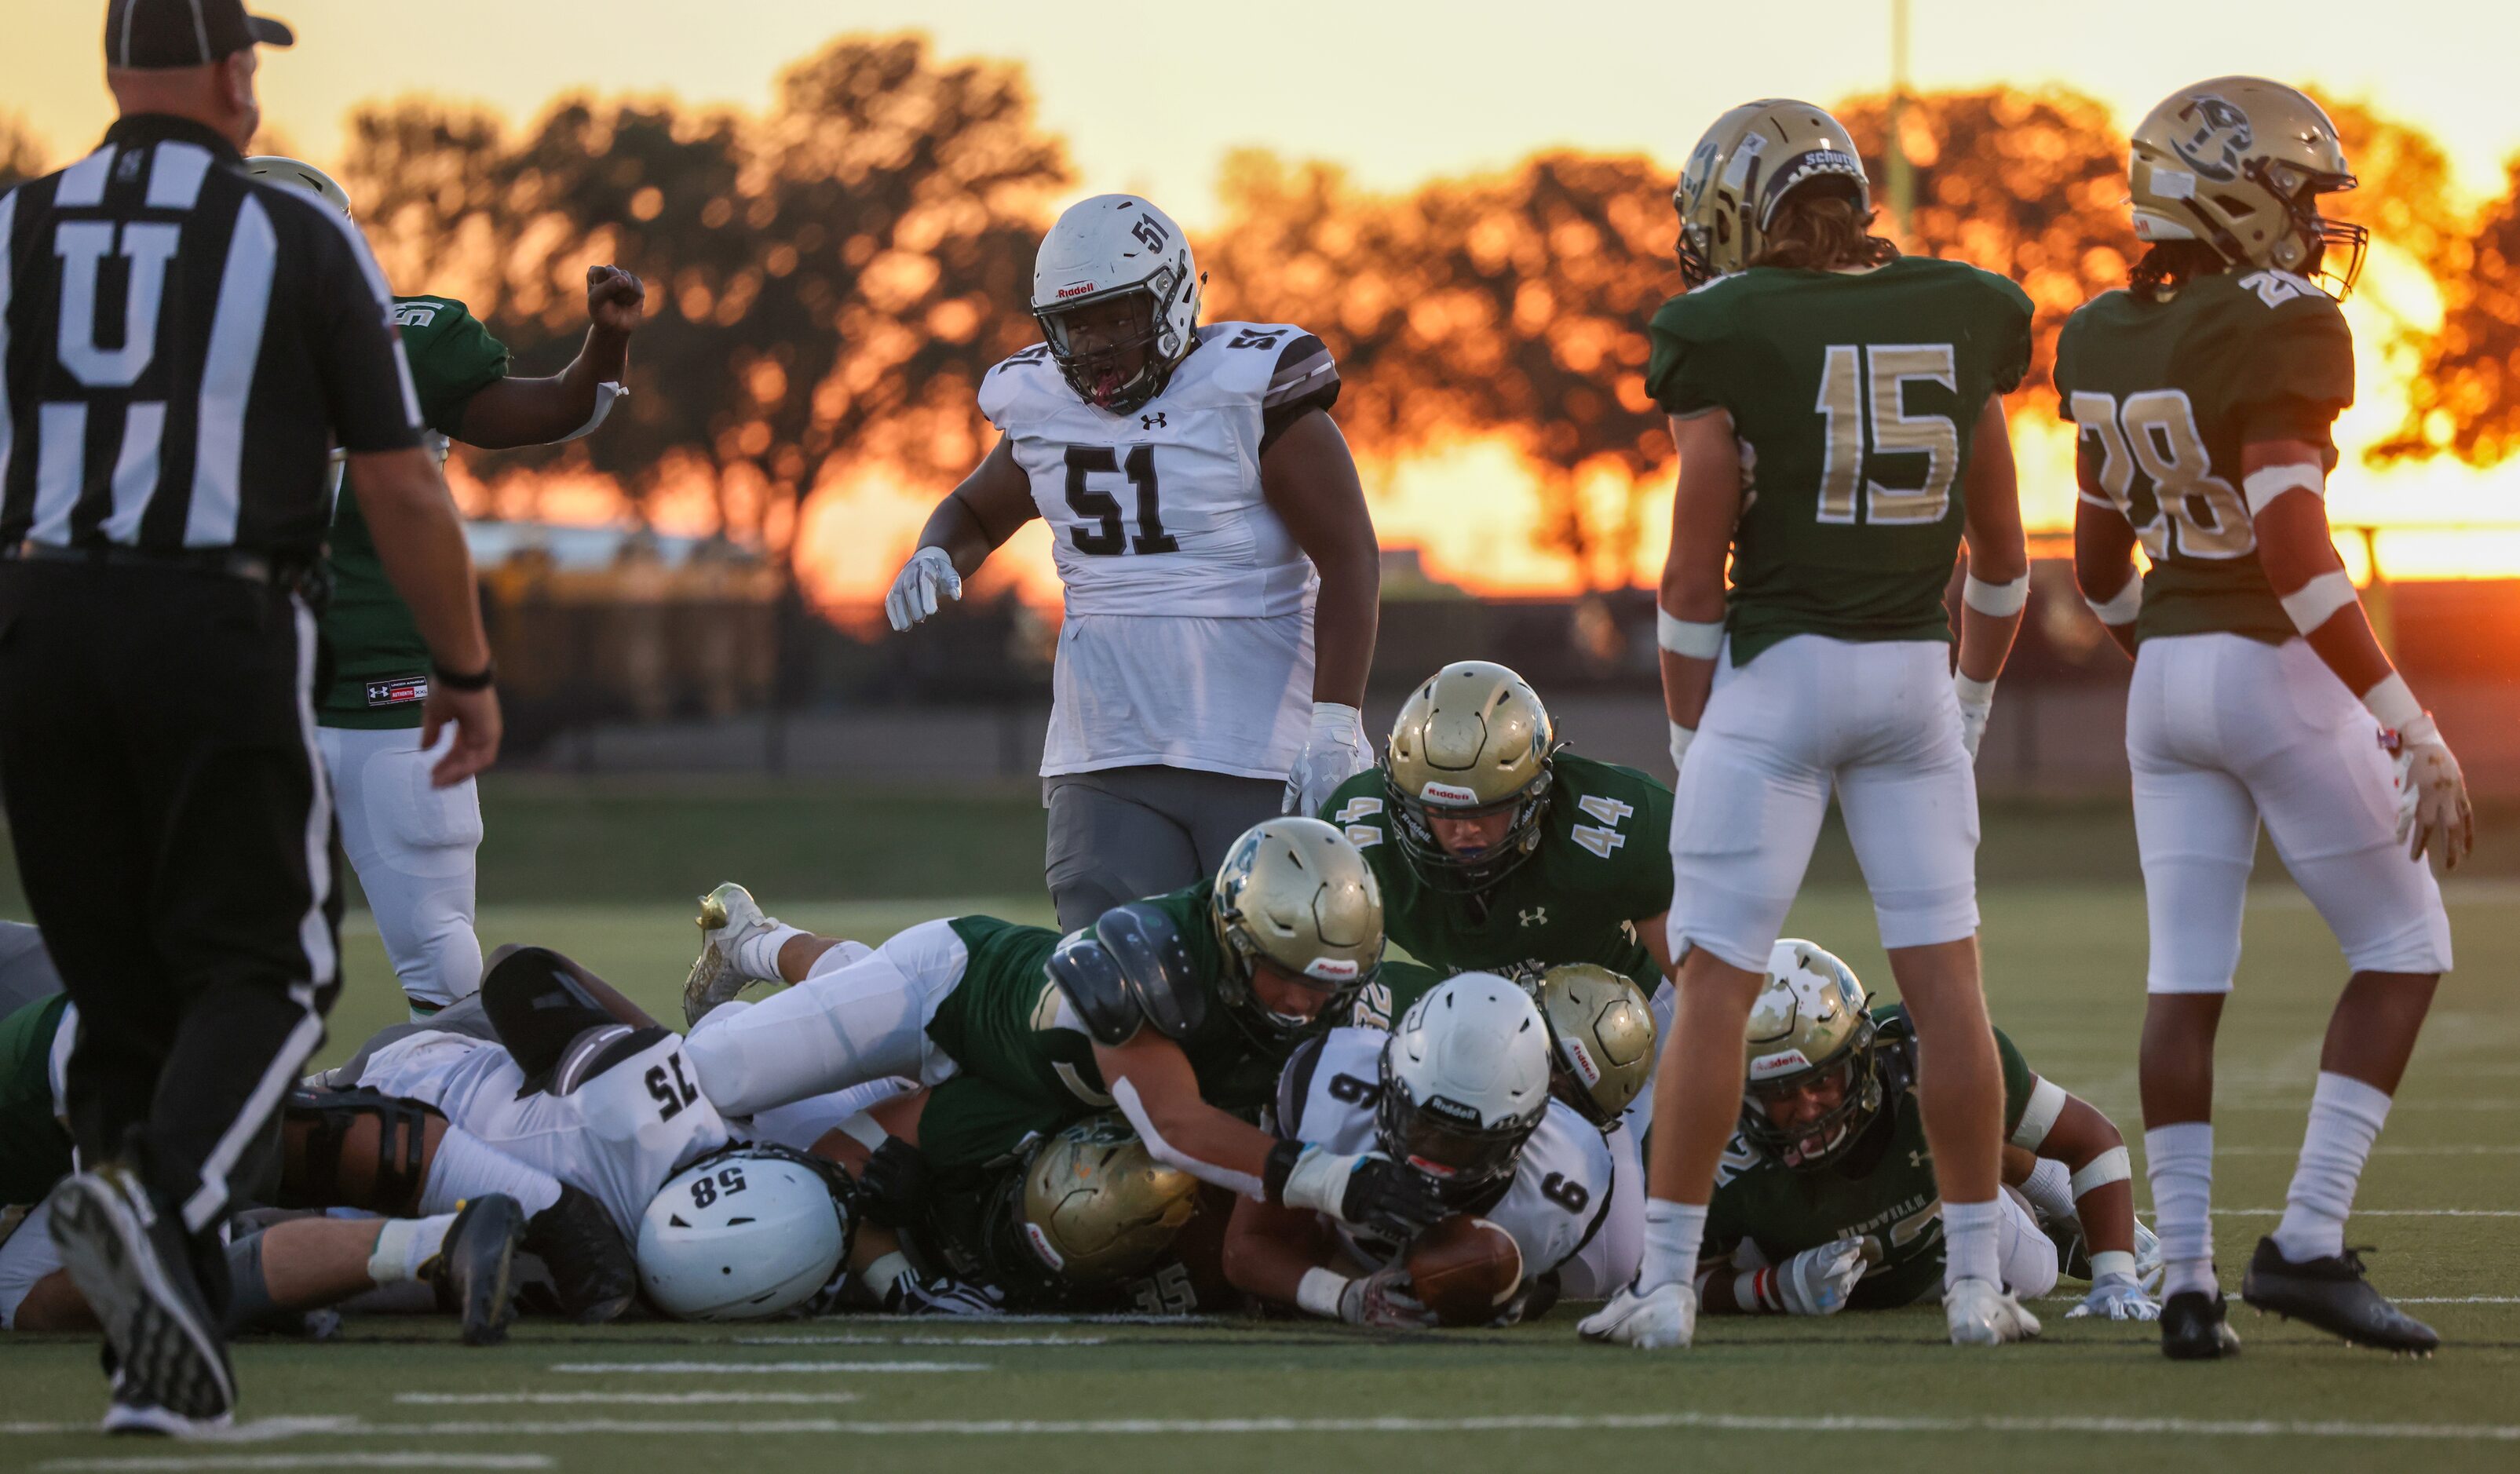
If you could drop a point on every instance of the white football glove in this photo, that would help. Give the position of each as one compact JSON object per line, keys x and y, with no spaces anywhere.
{"x":1812,"y":1283}
{"x":930,"y":572}
{"x":1660,"y":1318}
{"x":1381,"y":1299}
{"x":2433,"y":809}
{"x":1334,"y":751}
{"x":1977,"y":704}
{"x":2115,"y":1297}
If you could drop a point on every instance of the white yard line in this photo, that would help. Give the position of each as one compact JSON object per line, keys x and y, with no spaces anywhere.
{"x":639,"y":1399}
{"x":918,"y":1340}
{"x":170,"y":1464}
{"x":2380,"y":1151}
{"x":755,"y":1369}
{"x":2382,"y":1213}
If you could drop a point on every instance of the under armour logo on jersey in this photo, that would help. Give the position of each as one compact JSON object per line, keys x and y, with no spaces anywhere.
{"x":1153,"y":422}
{"x":1916,"y":1158}
{"x":1537,"y":915}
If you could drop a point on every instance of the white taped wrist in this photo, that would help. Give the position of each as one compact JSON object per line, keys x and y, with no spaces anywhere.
{"x":1681,"y":737}
{"x":2315,"y":602}
{"x":1319,"y":1181}
{"x":2263,"y":486}
{"x":2122,"y":606}
{"x":1321,"y":1291}
{"x":1697,"y":640}
{"x":1996,"y":601}
{"x":2112,"y":1264}
{"x":861,"y":1128}
{"x":1977,"y":695}
{"x":605,"y":395}
{"x":2110,"y":1166}
{"x":1746,"y":1294}
{"x":2039,"y":1116}
{"x":2395,"y":705}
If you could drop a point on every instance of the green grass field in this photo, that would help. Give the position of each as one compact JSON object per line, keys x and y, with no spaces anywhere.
{"x":2065,"y":972}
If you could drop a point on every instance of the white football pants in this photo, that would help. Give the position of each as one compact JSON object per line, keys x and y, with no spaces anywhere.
{"x":2023,"y":1252}
{"x":856,"y":1018}
{"x":2222,"y":730}
{"x":413,"y":846}
{"x":1874,"y":723}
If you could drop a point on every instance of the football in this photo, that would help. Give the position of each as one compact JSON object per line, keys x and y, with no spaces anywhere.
{"x":1465,"y":1270}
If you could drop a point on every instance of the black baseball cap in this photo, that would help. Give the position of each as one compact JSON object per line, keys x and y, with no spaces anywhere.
{"x":169,"y":33}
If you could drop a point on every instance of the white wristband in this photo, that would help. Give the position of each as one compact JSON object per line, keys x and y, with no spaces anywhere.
{"x":1973,"y":693}
{"x":1337,"y":719}
{"x":1698,"y":640}
{"x":2110,"y":1166}
{"x":1745,"y":1293}
{"x":604,"y":393}
{"x":2264,"y":486}
{"x":1319,"y":1181}
{"x":2039,"y":1115}
{"x":1319,"y":1292}
{"x":2313,"y":602}
{"x":1681,"y":737}
{"x":2112,"y":1264}
{"x":2122,"y":606}
{"x":1996,"y":601}
{"x":2395,"y":706}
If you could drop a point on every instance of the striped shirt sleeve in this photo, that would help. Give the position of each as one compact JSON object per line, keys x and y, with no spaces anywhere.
{"x":1306,"y":379}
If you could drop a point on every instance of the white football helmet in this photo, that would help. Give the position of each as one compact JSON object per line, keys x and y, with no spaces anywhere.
{"x":1117,"y":249}
{"x":1465,"y":1083}
{"x":305,"y":175}
{"x":742,"y":1235}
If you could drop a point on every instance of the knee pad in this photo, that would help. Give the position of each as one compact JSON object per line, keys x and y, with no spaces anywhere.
{"x":402,"y":1135}
{"x":537,"y":1008}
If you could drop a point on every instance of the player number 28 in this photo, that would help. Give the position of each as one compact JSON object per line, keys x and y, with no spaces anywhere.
{"x":1863,"y":383}
{"x":2196,"y":514}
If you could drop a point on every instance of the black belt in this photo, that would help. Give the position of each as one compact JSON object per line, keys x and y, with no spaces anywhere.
{"x":226,"y":562}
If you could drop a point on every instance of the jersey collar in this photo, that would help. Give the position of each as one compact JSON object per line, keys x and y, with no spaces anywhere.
{"x":139,"y":128}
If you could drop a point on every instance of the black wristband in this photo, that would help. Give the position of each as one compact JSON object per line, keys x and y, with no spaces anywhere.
{"x":1281,"y":1162}
{"x":477,"y":681}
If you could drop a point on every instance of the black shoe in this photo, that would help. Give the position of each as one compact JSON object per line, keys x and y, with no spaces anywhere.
{"x":2193,"y":1328}
{"x":474,"y":1270}
{"x":2332,"y":1294}
{"x":592,"y":1269}
{"x":171,"y":1372}
{"x":942,"y":1295}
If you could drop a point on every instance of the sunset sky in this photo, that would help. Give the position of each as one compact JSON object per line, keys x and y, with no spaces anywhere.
{"x":1150,"y":96}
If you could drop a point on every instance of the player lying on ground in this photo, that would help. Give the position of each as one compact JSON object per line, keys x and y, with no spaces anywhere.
{"x":1219,"y":570}
{"x":1838,"y":410}
{"x":1179,"y":1010}
{"x":467,"y":1253}
{"x":1825,"y":1199}
{"x":2204,"y":397}
{"x":411,"y":842}
{"x":1460,"y":1092}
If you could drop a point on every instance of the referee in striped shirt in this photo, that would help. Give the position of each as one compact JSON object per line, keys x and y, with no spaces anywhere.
{"x":182,"y":346}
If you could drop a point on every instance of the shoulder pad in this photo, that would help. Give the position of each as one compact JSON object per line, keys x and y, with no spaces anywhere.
{"x":1090,"y":979}
{"x":1153,"y":959}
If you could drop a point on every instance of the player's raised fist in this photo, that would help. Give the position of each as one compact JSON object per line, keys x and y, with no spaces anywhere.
{"x":615,"y":300}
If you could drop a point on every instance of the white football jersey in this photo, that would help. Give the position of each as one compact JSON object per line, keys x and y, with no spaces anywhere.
{"x":1187,"y":634}
{"x":1568,"y":1186}
{"x":617,"y":1136}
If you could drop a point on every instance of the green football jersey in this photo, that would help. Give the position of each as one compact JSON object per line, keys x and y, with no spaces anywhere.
{"x":379,"y":662}
{"x":1603,"y":863}
{"x":34,"y":1146}
{"x":1883,"y":1188}
{"x":2164,"y":394}
{"x":1001,"y":1021}
{"x":1853,"y":398}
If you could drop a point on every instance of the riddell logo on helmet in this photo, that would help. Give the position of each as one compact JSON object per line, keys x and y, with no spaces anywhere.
{"x":1583,"y":1061}
{"x":1331,"y":969}
{"x":1447,"y":794}
{"x":1770,"y":1066}
{"x":1079,"y":289}
{"x":1041,"y":1246}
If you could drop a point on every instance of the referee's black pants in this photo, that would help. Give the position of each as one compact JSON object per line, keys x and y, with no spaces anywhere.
{"x":174,"y":836}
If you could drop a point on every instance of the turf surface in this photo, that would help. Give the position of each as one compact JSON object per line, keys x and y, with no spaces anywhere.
{"x":1879,"y":1391}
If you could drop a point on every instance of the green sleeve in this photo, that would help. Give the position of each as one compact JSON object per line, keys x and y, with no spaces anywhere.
{"x":452,"y":355}
{"x":971,"y":1125}
{"x":1646,"y":881}
{"x":2299,"y":373}
{"x":1682,"y":371}
{"x":2008,"y":332}
{"x":2061,"y":375}
{"x":2017,"y":1081}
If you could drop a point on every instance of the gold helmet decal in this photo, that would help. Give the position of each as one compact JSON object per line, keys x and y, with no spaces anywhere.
{"x":2238,"y":163}
{"x":1473,"y":740}
{"x":1295,"y":893}
{"x":1810,"y":1034}
{"x":1601,"y":1036}
{"x":1741,"y":172}
{"x":1098,"y":1206}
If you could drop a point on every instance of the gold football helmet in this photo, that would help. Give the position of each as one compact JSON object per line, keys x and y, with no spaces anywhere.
{"x":2240,"y":163}
{"x":1097,"y":1207}
{"x":1295,"y":892}
{"x":1600,"y":1039}
{"x":1473,"y":740}
{"x":282,"y":169}
{"x":1741,"y":170}
{"x":1810,"y":1030}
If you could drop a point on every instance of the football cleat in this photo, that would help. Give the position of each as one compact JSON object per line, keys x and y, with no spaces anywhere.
{"x":2193,"y":1328}
{"x":1980,"y":1313}
{"x":942,"y":1295}
{"x":1661,"y":1318}
{"x":171,"y":1372}
{"x":592,"y":1269}
{"x":728,"y":917}
{"x":474,"y":1267}
{"x":2333,"y":1294}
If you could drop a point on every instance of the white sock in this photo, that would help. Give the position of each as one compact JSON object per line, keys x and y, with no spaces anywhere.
{"x":1969,"y":1250}
{"x":2050,"y":1190}
{"x":2179,"y":1160}
{"x":883,"y":1274}
{"x":2345,"y":1118}
{"x":403,"y":1245}
{"x":758,"y":956}
{"x":1674,"y":1232}
{"x":465,"y":1167}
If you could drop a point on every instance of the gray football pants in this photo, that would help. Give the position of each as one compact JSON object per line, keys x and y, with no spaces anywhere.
{"x":1123,"y":834}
